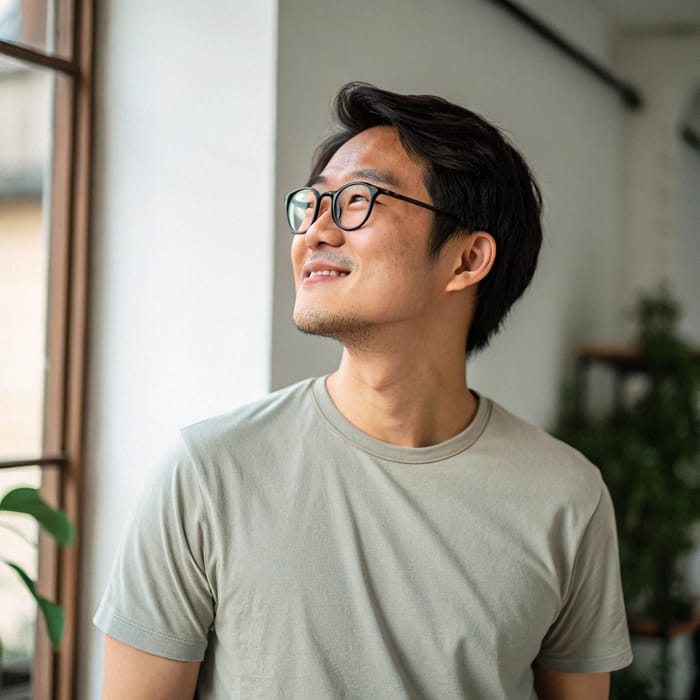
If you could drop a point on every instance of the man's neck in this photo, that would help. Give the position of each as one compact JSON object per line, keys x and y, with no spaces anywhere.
{"x":408,"y":401}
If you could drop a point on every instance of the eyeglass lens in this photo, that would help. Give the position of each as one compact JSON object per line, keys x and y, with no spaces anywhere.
{"x":351,"y":205}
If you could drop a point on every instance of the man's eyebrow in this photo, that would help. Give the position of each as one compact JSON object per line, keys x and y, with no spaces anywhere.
{"x":377,"y":176}
{"x":362,"y":174}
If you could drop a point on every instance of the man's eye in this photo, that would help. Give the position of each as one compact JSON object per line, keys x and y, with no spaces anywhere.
{"x":358,"y":199}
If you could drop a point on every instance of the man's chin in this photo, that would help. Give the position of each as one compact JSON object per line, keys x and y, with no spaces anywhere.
{"x":316,"y":323}
{"x":328,"y":325}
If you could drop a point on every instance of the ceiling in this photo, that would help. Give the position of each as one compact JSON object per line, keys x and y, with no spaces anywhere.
{"x":652,"y":15}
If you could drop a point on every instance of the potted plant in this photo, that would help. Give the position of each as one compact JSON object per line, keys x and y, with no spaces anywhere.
{"x":648,"y":450}
{"x":27,"y":501}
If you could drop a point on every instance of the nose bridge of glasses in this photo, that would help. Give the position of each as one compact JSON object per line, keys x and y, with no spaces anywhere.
{"x":320,"y":196}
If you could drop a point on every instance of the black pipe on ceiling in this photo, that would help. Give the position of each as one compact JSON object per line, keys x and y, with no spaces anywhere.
{"x":630,"y":95}
{"x":691,"y":136}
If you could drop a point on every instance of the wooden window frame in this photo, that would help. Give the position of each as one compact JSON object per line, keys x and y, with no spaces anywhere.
{"x":54,"y":673}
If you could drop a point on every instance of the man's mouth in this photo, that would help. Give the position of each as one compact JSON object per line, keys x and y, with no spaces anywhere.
{"x":326,"y":273}
{"x":326,"y":266}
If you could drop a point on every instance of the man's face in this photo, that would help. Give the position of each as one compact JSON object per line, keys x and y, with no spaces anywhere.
{"x":350,"y":284}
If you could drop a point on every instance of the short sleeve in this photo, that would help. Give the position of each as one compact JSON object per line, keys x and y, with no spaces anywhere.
{"x":590,"y":634}
{"x":158,"y":598}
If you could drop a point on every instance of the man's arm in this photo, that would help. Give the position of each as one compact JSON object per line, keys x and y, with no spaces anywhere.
{"x":555,"y":685}
{"x":137,"y":675}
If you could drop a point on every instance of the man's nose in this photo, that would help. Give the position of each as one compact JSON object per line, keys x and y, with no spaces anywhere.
{"x":324,"y":230}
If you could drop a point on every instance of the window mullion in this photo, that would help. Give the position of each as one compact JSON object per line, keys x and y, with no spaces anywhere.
{"x":75,"y":365}
{"x":38,"y":58}
{"x":44,"y":460}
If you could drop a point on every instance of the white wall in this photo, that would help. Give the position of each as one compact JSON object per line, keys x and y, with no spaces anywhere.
{"x":181,"y":293}
{"x":566,"y":123}
{"x":667,"y":69}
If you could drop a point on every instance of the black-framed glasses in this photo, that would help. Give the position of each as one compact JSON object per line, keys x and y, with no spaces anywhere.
{"x":351,"y":205}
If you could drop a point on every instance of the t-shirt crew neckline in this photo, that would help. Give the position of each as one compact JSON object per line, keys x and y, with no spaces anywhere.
{"x":397,"y":453}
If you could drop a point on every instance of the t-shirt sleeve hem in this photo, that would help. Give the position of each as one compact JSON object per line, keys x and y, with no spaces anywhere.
{"x":139,"y":637}
{"x":602,"y":664}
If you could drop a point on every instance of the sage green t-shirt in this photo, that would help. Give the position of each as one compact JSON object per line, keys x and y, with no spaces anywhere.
{"x":297,"y":557}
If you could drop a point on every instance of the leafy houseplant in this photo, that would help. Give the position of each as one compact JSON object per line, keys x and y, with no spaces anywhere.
{"x":648,"y":450}
{"x":27,"y":500}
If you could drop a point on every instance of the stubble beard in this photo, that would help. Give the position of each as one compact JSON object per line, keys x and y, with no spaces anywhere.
{"x":348,"y":330}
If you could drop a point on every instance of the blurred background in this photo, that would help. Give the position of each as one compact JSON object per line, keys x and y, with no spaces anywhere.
{"x":145,"y":151}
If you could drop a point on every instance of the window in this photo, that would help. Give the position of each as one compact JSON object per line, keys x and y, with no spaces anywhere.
{"x":45,"y":138}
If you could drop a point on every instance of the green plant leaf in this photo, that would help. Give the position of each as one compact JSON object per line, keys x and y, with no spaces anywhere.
{"x":647,"y":446}
{"x":52,"y":612}
{"x":27,"y":500}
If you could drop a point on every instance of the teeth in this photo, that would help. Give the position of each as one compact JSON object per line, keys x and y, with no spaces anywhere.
{"x":327,"y":273}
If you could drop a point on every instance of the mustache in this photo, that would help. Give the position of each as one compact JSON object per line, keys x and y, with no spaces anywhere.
{"x":331,"y":258}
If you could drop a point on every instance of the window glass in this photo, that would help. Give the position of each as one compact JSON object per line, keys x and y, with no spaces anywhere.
{"x":36,"y":24}
{"x":25,"y":135}
{"x":38,"y":163}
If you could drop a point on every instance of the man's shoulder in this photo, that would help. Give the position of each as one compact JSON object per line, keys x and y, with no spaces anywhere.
{"x":251,"y":421}
{"x":538,"y":455}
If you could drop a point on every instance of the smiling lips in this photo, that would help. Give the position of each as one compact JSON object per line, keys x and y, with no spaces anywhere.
{"x":323,"y":270}
{"x":326,"y":273}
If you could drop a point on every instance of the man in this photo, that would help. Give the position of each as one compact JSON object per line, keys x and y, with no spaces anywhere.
{"x":383,"y":532}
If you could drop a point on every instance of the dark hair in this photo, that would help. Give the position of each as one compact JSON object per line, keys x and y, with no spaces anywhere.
{"x":472,"y":171}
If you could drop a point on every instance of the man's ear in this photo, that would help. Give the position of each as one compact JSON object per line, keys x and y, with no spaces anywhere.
{"x":473,"y":257}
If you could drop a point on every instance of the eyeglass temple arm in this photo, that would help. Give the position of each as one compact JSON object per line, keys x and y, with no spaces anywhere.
{"x":396,"y":195}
